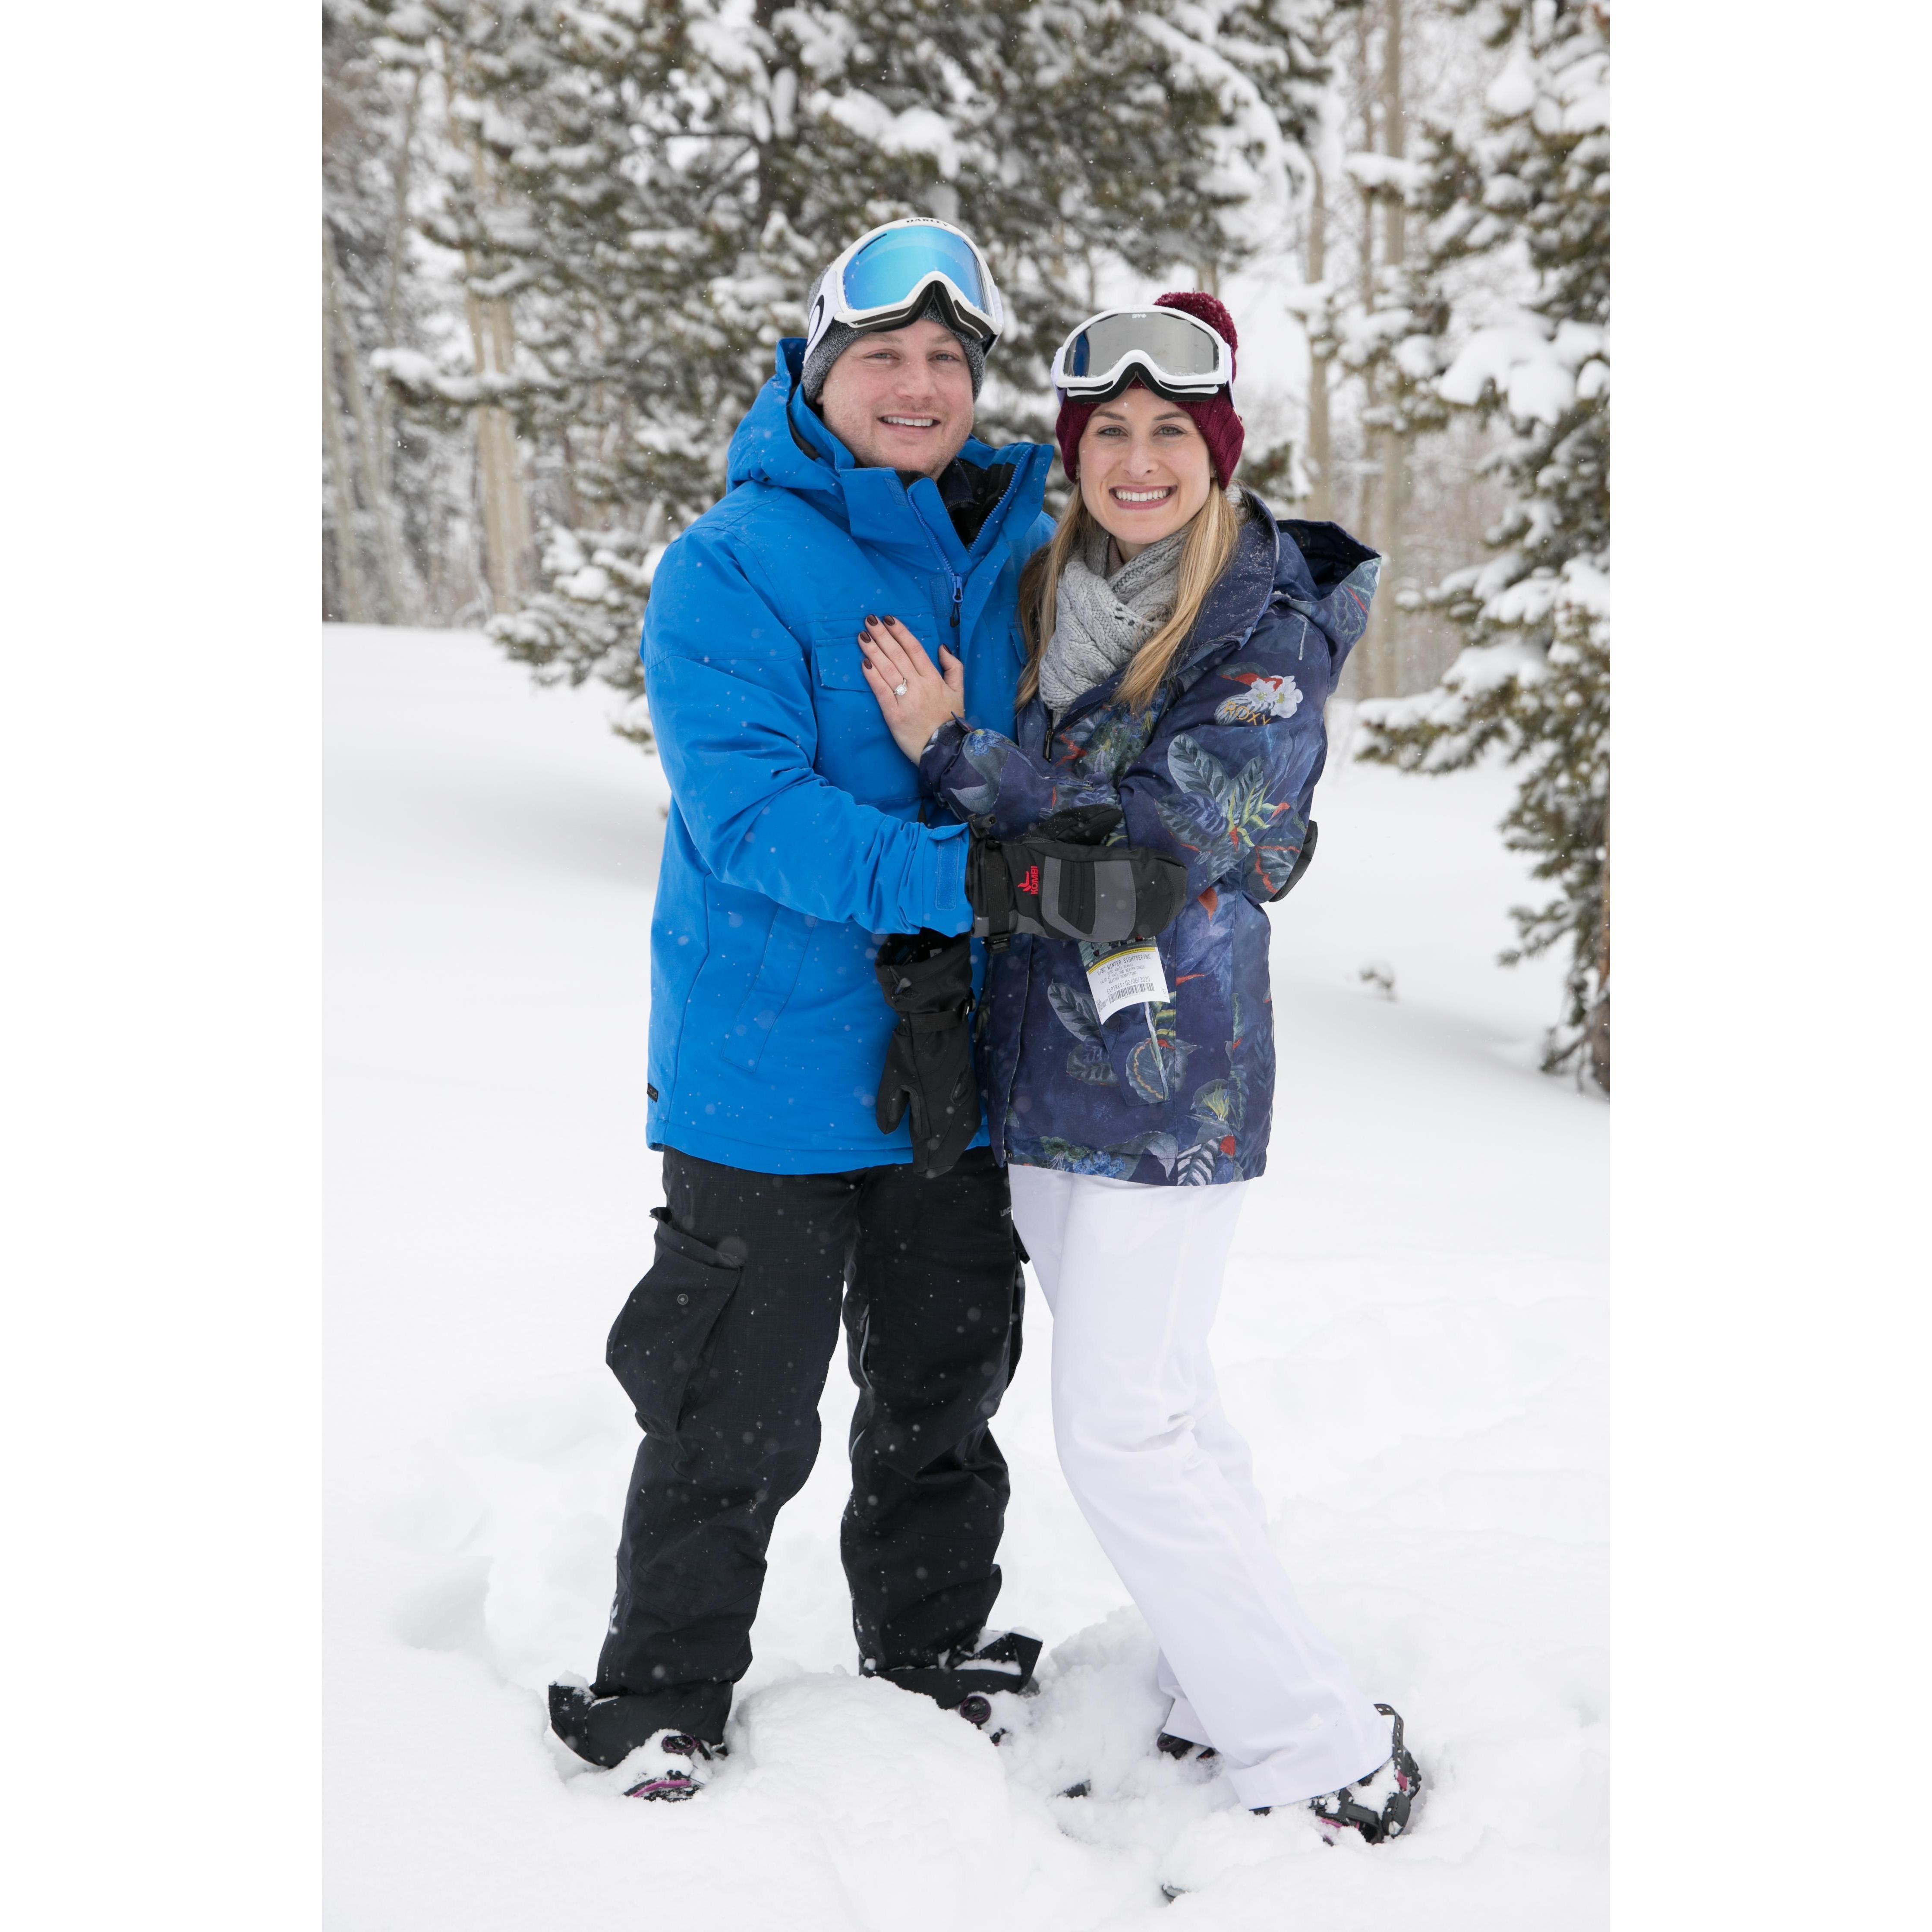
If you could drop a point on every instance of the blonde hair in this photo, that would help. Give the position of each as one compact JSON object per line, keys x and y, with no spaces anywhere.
{"x":1211,"y":537}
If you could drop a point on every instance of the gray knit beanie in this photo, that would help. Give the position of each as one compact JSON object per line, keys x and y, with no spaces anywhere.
{"x":840,"y":336}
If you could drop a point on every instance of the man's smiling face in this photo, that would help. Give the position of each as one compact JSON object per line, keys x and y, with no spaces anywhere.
{"x":902,"y":399}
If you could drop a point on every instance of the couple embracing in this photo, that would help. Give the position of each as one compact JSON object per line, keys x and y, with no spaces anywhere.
{"x":959,"y":958}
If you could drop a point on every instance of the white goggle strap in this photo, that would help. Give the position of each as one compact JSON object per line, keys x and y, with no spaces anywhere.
{"x":817,"y":322}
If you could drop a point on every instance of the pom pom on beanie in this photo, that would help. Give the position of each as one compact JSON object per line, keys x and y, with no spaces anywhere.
{"x":1221,"y":429}
{"x":1204,"y":307}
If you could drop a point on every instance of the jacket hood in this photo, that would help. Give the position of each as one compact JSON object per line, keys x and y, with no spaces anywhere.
{"x":1329,"y":577}
{"x":783,"y":442}
{"x":778,"y":444}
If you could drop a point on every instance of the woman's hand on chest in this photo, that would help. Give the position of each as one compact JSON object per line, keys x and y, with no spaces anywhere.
{"x":914,"y":697}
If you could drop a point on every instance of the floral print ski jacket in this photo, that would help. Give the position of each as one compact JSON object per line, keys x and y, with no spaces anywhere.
{"x":1219,"y":770}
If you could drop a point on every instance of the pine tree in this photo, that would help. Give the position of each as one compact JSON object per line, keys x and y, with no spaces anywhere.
{"x":654,"y":187}
{"x":1532,"y":190}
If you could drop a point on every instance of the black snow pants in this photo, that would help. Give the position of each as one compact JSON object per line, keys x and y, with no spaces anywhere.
{"x":723,"y":1349}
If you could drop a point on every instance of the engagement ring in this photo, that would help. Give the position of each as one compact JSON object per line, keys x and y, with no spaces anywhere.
{"x":898,"y":691}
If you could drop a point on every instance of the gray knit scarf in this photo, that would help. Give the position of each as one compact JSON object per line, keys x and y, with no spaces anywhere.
{"x":1101,"y":620}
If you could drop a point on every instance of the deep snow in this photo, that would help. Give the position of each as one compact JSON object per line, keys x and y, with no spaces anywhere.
{"x":1413,"y":1337}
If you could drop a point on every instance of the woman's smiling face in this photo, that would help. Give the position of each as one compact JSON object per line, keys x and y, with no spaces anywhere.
{"x":1144,"y":469}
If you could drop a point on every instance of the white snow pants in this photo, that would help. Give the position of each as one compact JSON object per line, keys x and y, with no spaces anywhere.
{"x":1132,"y":1275}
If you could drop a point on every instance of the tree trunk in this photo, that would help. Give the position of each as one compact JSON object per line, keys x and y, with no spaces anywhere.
{"x":1395,"y":129}
{"x":1395,"y":452}
{"x":1321,"y":449}
{"x":348,"y":556}
{"x":1387,"y":673}
{"x":388,"y":552}
{"x":399,"y":238}
{"x":1362,"y":657}
{"x":506,"y":510}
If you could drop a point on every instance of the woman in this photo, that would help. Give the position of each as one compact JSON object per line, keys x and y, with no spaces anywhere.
{"x":1180,"y":647}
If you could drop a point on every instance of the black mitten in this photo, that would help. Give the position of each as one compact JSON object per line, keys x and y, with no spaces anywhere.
{"x":927,"y":978}
{"x":1060,"y":890}
{"x":1080,"y":824}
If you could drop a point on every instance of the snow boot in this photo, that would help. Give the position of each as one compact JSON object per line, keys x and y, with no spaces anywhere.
{"x":1184,"y":1749}
{"x":967,"y":1681}
{"x":1379,"y":1806}
{"x":669,"y":1767}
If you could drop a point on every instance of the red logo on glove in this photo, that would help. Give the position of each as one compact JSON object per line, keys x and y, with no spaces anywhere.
{"x":1029,"y":887}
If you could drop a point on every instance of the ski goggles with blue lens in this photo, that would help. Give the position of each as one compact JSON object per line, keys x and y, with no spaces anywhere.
{"x":886,"y":277}
{"x":1177,"y":352}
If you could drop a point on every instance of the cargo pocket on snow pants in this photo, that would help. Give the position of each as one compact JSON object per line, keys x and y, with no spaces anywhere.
{"x":659,"y":1336}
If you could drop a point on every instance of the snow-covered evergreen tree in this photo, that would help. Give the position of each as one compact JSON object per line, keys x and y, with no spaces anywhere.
{"x":653,"y":186}
{"x":1532,"y":189}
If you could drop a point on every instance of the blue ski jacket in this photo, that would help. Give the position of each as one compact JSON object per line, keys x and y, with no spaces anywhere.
{"x":1218,"y":772}
{"x":795,"y":841}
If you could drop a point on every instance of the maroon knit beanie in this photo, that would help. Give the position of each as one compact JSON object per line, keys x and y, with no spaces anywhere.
{"x":1221,"y":429}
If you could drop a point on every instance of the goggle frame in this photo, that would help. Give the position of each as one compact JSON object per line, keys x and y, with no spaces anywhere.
{"x":1096,"y":388}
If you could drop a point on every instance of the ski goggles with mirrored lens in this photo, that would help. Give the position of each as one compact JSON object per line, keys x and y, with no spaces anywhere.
{"x":886,"y":277}
{"x":1178,"y":351}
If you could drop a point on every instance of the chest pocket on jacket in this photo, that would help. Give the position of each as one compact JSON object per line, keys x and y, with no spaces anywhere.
{"x":836,"y":663}
{"x":856,"y":752}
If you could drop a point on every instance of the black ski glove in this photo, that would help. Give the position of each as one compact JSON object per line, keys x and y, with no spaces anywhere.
{"x":1059,"y":882}
{"x":927,"y":978}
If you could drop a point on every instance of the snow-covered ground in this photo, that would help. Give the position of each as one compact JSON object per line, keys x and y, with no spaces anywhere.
{"x":1421,"y":1369}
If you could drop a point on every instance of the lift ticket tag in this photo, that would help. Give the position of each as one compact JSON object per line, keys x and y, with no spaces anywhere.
{"x":1127,"y":976}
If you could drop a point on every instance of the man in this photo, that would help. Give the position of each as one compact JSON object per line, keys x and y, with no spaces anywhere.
{"x":796,"y":842}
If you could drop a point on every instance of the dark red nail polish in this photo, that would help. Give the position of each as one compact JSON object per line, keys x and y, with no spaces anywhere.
{"x":870,"y":619}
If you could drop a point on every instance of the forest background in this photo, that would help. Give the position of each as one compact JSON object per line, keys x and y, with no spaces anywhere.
{"x":560,"y":241}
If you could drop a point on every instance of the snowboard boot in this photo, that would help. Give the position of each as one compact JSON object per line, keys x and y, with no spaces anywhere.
{"x":967,"y":1681}
{"x":1379,"y":1806}
{"x":669,"y":1767}
{"x":605,"y":1730}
